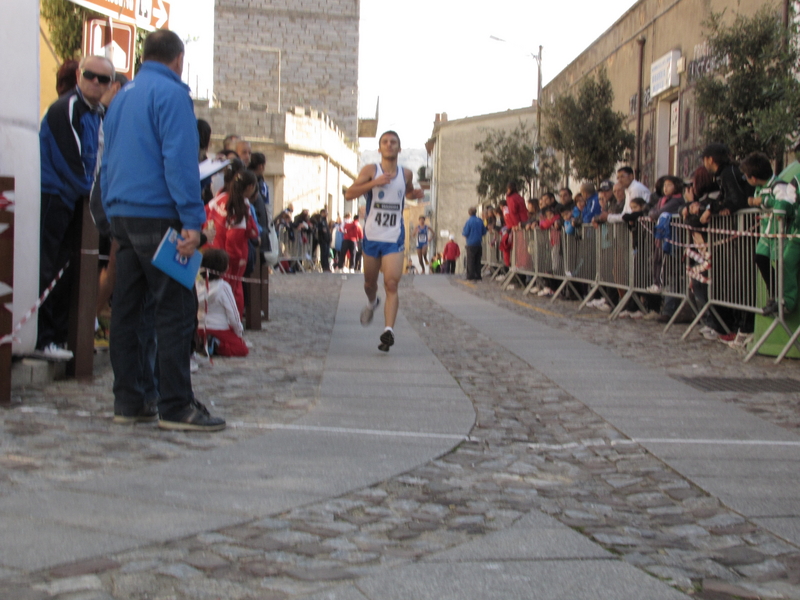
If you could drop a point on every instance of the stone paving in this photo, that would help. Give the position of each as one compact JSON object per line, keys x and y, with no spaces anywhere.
{"x":533,"y":447}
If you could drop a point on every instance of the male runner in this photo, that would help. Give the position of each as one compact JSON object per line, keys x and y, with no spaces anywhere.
{"x":385,"y":187}
{"x":421,"y":234}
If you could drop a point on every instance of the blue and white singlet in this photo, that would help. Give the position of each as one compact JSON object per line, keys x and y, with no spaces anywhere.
{"x":422,"y":237}
{"x":384,"y":222}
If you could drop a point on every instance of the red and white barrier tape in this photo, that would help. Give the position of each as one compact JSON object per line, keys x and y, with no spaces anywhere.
{"x":734,"y":234}
{"x":11,"y":337}
{"x":229,"y":276}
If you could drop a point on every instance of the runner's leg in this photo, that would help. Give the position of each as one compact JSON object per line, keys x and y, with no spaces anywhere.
{"x":392,"y":266}
{"x":372,"y":267}
{"x":421,"y":260}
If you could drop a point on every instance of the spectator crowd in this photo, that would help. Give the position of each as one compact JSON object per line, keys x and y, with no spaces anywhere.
{"x":718,"y":187}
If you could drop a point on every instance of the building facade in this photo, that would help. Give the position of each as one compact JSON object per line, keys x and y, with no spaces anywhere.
{"x":653,"y":56}
{"x":286,"y":80}
{"x":310,"y":162}
{"x":273,"y":54}
{"x":454,"y":178}
{"x":663,"y":41}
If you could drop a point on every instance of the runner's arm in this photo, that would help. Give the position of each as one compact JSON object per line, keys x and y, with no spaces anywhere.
{"x":365,"y":181}
{"x":411,"y":193}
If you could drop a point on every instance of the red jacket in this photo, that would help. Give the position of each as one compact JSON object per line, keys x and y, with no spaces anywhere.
{"x":451,"y":251}
{"x":517,"y":213}
{"x":353,"y":232}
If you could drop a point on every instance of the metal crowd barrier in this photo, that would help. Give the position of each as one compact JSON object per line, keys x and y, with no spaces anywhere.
{"x":613,"y":257}
{"x":295,"y":253}
{"x":491,"y":257}
{"x":659,"y":265}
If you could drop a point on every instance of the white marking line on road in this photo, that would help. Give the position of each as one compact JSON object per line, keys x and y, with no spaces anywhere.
{"x":285,"y":426}
{"x":717,"y":442}
{"x":612,"y":443}
{"x":349,"y":430}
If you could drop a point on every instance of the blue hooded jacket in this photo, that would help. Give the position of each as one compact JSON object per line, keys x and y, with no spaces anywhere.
{"x":149,"y":166}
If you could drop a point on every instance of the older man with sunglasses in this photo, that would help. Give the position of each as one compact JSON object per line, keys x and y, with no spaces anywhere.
{"x":68,"y":141}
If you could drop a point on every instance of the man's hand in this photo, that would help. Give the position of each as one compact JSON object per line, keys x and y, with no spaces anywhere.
{"x":383,"y":179}
{"x":189,"y":243}
{"x":417,"y":194}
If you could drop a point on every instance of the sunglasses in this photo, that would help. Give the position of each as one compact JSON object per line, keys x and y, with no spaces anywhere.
{"x":103,"y":79}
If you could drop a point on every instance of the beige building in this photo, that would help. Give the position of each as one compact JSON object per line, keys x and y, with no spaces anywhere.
{"x":453,"y":178}
{"x":663,"y":40}
{"x":662,"y":44}
{"x":285,"y":79}
{"x":309,"y":160}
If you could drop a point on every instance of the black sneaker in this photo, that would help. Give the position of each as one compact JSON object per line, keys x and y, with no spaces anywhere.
{"x":148,"y":414}
{"x":194,"y":417}
{"x":387,"y":341}
{"x":771,"y":308}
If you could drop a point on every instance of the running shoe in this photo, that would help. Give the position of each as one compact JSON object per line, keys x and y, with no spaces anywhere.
{"x":708,"y":332}
{"x":54,"y":352}
{"x":387,"y":341}
{"x":741,"y":341}
{"x":368,"y":312}
{"x":771,"y":308}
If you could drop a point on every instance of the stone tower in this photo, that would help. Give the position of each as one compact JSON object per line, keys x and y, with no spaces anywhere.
{"x":270,"y":55}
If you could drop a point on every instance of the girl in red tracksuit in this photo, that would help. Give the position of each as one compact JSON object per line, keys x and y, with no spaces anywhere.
{"x":234,"y":227}
{"x":216,"y":209}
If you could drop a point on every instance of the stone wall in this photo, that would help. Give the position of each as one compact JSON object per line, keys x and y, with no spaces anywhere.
{"x":316,"y":42}
{"x":454,"y":176}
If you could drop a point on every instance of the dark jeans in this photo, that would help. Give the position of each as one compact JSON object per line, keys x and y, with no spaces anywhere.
{"x":449,"y":266}
{"x":59,"y":229}
{"x":474,"y":254}
{"x":175,"y":311}
{"x":325,"y":256}
{"x":347,"y":246}
{"x":149,"y":348}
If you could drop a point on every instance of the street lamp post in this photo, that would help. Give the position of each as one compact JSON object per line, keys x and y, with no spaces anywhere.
{"x":538,"y":59}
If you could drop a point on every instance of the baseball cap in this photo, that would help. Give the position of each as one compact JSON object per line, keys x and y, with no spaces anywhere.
{"x":606,"y":186}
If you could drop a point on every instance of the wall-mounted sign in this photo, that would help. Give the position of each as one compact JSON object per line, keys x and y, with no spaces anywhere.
{"x":664,"y":73}
{"x":145,"y":14}
{"x":117,"y":48}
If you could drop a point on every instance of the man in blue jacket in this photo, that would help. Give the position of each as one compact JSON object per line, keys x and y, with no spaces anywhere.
{"x":68,"y":140}
{"x":151,"y":182}
{"x":474,"y":230}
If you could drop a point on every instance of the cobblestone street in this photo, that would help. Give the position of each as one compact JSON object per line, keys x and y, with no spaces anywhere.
{"x":535,"y":457}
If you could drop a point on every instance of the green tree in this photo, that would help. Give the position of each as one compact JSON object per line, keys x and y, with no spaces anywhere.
{"x":587,"y":131}
{"x":752,"y":100}
{"x":66,"y":26}
{"x":505,"y":157}
{"x":549,"y":172}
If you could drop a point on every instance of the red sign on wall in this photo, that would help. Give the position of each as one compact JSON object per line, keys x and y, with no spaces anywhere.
{"x":117,"y":47}
{"x":145,"y":14}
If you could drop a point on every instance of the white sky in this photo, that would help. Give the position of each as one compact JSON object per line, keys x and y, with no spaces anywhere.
{"x":424,"y":57}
